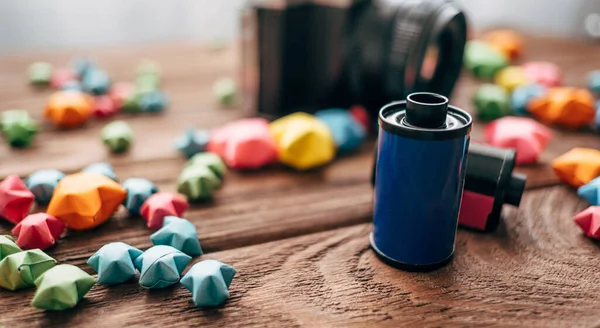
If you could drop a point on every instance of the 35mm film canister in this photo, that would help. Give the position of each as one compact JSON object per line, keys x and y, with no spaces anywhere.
{"x":420,"y":176}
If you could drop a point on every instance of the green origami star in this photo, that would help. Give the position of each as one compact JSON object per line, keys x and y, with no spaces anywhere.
{"x":18,"y":127}
{"x":210,"y":160}
{"x":8,"y":246}
{"x":117,"y":136}
{"x":197,"y":182}
{"x":20,"y":270}
{"x":40,"y":73}
{"x":61,"y":288}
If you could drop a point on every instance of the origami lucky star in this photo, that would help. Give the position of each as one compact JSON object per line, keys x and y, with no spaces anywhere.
{"x":491,"y":102}
{"x":121,"y":91}
{"x":178,"y":233}
{"x":525,"y":135}
{"x":40,"y":73}
{"x":522,"y":96}
{"x":85,"y":200}
{"x":114,"y":263}
{"x":161,"y":266}
{"x":17,"y":127}
{"x":510,"y":77}
{"x":20,"y":270}
{"x":117,"y":135}
{"x":361,"y":115}
{"x":83,"y":65}
{"x":148,"y":67}
{"x":104,"y":106}
{"x":138,"y":190}
{"x":192,"y":142}
{"x":153,"y":101}
{"x":589,"y":221}
{"x":15,"y":199}
{"x":72,"y":85}
{"x":594,"y":81}
{"x":68,"y":109}
{"x":591,"y":191}
{"x":38,"y":230}
{"x":42,"y":184}
{"x":303,"y":141}
{"x":197,"y":182}
{"x":162,"y":204}
{"x":509,"y":42}
{"x":102,"y":168}
{"x":147,"y":83}
{"x":578,"y":166}
{"x":60,"y":76}
{"x":95,"y":82}
{"x":543,"y":73}
{"x":347,"y":132}
{"x":209,"y":282}
{"x":210,"y":160}
{"x":566,"y":106}
{"x":61,"y":288}
{"x":244,"y":144}
{"x":225,"y":91}
{"x":483,"y":60}
{"x":8,"y":246}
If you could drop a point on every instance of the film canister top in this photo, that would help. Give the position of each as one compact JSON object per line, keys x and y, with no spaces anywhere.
{"x":420,"y":175}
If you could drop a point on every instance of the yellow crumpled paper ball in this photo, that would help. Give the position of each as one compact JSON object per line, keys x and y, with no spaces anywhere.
{"x":303,"y":141}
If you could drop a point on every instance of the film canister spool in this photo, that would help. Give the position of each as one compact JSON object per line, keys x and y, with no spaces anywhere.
{"x":421,"y":157}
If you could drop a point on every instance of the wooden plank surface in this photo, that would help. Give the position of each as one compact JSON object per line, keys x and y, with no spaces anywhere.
{"x":299,"y":240}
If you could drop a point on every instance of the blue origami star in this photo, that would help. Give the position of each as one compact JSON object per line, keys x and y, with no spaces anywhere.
{"x":83,"y":65}
{"x":154,"y":101}
{"x":178,"y":233}
{"x":114,"y":263}
{"x":138,"y":190}
{"x":71,"y":85}
{"x":598,"y":115}
{"x":209,"y":282}
{"x":42,"y":184}
{"x":101,"y":168}
{"x":161,"y":266}
{"x":521,"y":96}
{"x":591,"y":192}
{"x":192,"y":142}
{"x":347,"y":133}
{"x":95,"y":82}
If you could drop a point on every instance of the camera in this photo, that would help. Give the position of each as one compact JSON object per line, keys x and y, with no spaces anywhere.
{"x":313,"y":54}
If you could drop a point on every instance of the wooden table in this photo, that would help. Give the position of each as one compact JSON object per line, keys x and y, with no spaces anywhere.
{"x":299,"y":240}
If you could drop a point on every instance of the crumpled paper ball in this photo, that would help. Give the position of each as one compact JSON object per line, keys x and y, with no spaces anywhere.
{"x":8,"y":246}
{"x":18,"y":128}
{"x":209,"y":282}
{"x":197,"y":182}
{"x":40,"y":73}
{"x":491,"y":102}
{"x":60,"y":76}
{"x":509,"y":42}
{"x":303,"y":141}
{"x":578,"y":166}
{"x":68,"y":109}
{"x":114,"y":263}
{"x":20,"y":270}
{"x":96,"y":82}
{"x":210,"y":160}
{"x":589,"y":221}
{"x":161,"y":266}
{"x":85,"y":200}
{"x":153,"y":101}
{"x":594,"y":81}
{"x":39,"y":230}
{"x":178,"y":233}
{"x":347,"y":132}
{"x":103,"y":106}
{"x":225,"y":90}
{"x":162,"y":204}
{"x":61,"y":288}
{"x":543,"y":73}
{"x":525,"y":135}
{"x":192,"y":142}
{"x":117,"y":136}
{"x":101,"y":168}
{"x":522,"y":96}
{"x":244,"y":144}
{"x":15,"y":199}
{"x":510,"y":77}
{"x":42,"y":184}
{"x":570,"y":107}
{"x":138,"y":190}
{"x":119,"y":92}
{"x":483,"y":60}
{"x":591,"y":192}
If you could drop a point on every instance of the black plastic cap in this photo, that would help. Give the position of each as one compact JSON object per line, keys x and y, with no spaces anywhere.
{"x":514,"y":189}
{"x":426,"y":110}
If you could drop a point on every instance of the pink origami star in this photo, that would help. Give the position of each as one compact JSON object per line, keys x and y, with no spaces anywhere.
{"x":38,"y":230}
{"x":162,"y":204}
{"x":103,"y":106}
{"x":589,"y":221}
{"x":544,"y":73}
{"x":15,"y":199}
{"x":525,"y":135}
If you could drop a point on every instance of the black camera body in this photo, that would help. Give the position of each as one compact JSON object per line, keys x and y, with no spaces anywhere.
{"x":308,"y":55}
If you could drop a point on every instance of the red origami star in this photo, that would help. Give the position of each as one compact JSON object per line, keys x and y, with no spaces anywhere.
{"x":38,"y":230}
{"x":15,"y":199}
{"x":525,"y":135}
{"x":589,"y":221}
{"x":162,"y":204}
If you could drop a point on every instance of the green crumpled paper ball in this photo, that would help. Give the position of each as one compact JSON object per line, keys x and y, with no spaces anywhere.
{"x":18,"y":128}
{"x":491,"y":102}
{"x":61,"y":288}
{"x":117,"y":136}
{"x":8,"y":246}
{"x":20,"y":270}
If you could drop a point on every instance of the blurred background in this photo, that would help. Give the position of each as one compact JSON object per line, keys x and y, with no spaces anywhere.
{"x":34,"y":24}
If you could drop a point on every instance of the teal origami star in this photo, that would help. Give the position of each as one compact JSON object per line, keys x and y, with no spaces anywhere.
{"x":591,"y":191}
{"x":138,"y":190}
{"x":96,"y":82}
{"x":153,"y":101}
{"x":114,"y":263}
{"x":42,"y":184}
{"x":178,"y":233}
{"x":209,"y":282}
{"x":101,"y":168}
{"x":192,"y":142}
{"x":161,"y":266}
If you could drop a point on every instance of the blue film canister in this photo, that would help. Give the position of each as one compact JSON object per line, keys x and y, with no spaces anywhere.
{"x":421,"y":165}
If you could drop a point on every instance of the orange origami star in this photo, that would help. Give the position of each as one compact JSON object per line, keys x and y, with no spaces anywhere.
{"x":68,"y":108}
{"x":566,"y":106}
{"x":85,"y":200}
{"x":577,"y":166}
{"x":507,"y":42}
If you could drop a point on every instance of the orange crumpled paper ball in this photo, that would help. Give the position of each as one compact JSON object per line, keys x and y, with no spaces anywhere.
{"x":508,"y":42}
{"x":566,"y":106}
{"x":578,"y":166}
{"x":68,"y":108}
{"x":85,"y":200}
